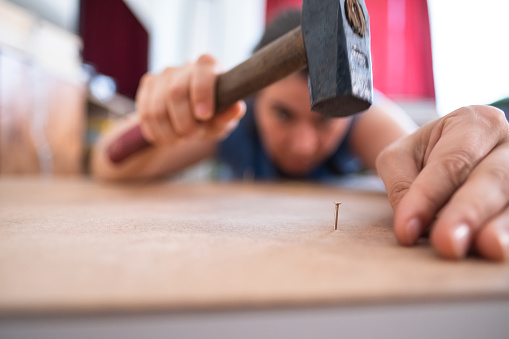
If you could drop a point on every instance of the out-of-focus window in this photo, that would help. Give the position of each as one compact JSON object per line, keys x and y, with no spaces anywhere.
{"x":470,"y":52}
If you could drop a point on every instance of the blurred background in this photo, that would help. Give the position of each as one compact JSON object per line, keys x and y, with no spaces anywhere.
{"x":70,"y":68}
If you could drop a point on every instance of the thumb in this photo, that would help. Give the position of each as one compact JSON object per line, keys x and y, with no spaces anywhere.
{"x":225,"y":122}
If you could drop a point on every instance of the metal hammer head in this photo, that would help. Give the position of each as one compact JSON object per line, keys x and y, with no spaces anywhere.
{"x":337,"y":39}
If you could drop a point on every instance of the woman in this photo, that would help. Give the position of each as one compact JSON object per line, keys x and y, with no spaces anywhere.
{"x":279,"y":137}
{"x":443,"y":167}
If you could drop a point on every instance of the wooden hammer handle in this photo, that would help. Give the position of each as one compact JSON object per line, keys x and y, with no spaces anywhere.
{"x":270,"y":64}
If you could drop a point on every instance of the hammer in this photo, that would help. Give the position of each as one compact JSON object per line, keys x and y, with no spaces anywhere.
{"x":333,"y":41}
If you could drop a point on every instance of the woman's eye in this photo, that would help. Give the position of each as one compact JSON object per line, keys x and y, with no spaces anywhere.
{"x":283,"y":115}
{"x":324,"y":120}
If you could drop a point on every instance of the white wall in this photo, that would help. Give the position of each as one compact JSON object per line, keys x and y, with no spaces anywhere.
{"x":181,"y":30}
{"x":470,"y":51}
{"x":63,"y":13}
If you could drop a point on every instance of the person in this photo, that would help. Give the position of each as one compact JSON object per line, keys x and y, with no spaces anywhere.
{"x":450,"y":176}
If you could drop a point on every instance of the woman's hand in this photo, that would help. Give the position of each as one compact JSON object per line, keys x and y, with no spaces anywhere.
{"x":178,"y":103}
{"x":452,"y":176}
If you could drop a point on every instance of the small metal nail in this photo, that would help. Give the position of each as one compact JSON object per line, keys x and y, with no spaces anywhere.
{"x":336,"y":216}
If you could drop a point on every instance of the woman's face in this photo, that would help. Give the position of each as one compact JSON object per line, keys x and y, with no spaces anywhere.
{"x":296,"y":138}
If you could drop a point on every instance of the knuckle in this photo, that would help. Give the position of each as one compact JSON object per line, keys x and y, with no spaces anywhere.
{"x":485,"y":116}
{"x":168,"y":71}
{"x":500,"y":175}
{"x":146,"y":118}
{"x":182,"y":123}
{"x":397,"y":190}
{"x":158,"y":115}
{"x":176,"y":91}
{"x":457,"y":166}
{"x":203,"y":83}
{"x":154,"y":113}
{"x":384,"y":155}
{"x":186,"y":129}
{"x":387,"y":156}
{"x":496,"y":122}
{"x":147,"y":132}
{"x":206,"y":59}
{"x":144,"y":113}
{"x":465,"y":113}
{"x":492,"y":114}
{"x":146,"y":78}
{"x":202,"y":93}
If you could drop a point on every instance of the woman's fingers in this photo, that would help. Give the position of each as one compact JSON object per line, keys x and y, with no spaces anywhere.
{"x":179,"y":103}
{"x":203,"y":81}
{"x":492,"y":241}
{"x":144,"y":107}
{"x":159,"y":120}
{"x":484,"y":196}
{"x":202,"y":100}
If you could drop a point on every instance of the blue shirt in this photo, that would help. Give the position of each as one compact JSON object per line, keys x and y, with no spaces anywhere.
{"x":241,"y":155}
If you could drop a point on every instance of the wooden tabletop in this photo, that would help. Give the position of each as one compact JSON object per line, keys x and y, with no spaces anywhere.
{"x":74,"y":245}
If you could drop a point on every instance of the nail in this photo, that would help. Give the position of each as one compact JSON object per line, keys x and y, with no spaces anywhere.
{"x":231,"y":125}
{"x":202,"y":111}
{"x":461,"y":240}
{"x":503,"y":243}
{"x":413,"y":231}
{"x":336,"y":215}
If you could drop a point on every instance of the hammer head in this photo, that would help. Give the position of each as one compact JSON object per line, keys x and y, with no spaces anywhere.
{"x":337,"y":40}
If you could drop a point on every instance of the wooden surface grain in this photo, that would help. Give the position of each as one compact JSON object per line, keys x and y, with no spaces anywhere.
{"x":74,"y":245}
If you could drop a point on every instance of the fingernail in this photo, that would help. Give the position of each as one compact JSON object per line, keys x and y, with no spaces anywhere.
{"x":461,"y":240}
{"x":413,"y":231}
{"x":503,"y":243}
{"x":202,"y":111}
{"x":232,"y":125}
{"x":243,"y":108}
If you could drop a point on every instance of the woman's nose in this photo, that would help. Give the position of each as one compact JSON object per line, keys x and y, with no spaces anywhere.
{"x":305,"y":140}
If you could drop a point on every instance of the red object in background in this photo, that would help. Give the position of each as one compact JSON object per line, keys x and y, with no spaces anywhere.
{"x":114,"y":42}
{"x":275,"y":6}
{"x":400,"y":46}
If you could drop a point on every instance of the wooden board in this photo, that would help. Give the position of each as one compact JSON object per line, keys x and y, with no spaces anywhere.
{"x":73,"y":245}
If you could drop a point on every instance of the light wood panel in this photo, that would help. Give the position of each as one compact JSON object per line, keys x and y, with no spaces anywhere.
{"x":81,"y":246}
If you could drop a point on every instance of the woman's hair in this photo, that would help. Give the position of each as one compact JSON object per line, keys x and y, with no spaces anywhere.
{"x":283,"y":23}
{"x":279,"y":26}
